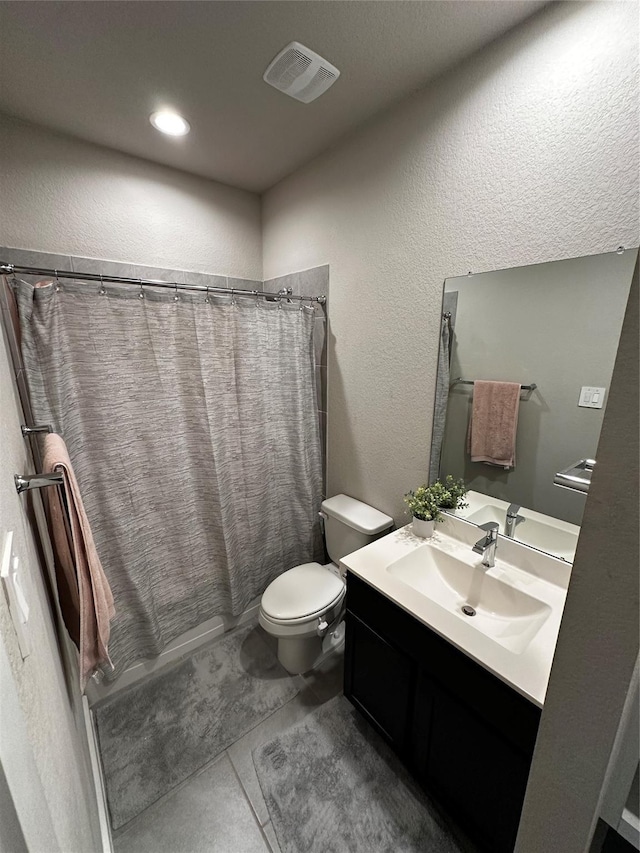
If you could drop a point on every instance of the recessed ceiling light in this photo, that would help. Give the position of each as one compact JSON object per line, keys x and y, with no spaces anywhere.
{"x":169,"y":122}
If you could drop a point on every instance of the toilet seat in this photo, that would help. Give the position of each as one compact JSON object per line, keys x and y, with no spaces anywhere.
{"x":301,"y":594}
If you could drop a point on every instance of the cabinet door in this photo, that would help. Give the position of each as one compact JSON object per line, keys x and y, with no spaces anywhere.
{"x":378,"y":681}
{"x":425,"y":693}
{"x":476,"y":772}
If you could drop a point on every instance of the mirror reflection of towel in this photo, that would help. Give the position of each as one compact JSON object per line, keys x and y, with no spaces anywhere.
{"x":491,"y":437}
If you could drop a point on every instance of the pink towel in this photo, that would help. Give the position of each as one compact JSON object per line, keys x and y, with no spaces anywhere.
{"x":491,"y":437}
{"x":85,"y":595}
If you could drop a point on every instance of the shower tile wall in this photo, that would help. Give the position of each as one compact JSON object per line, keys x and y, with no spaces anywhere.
{"x":26,"y":258}
{"x":311,"y":282}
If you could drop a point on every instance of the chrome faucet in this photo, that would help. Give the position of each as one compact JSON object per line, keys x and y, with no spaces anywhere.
{"x":488,"y":544}
{"x":512,"y":520}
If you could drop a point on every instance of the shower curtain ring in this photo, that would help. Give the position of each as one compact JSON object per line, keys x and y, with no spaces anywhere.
{"x":233,"y":297}
{"x":102,"y":290}
{"x":58,"y":286}
{"x":141,"y":293}
{"x":176,"y":298}
{"x":206,"y":298}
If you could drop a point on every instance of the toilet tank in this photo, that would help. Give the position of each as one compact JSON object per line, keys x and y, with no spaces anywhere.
{"x":350,"y":524}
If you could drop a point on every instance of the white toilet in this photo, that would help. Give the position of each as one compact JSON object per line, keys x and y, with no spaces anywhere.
{"x":304,"y":606}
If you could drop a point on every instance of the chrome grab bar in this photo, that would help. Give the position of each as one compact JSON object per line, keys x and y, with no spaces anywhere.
{"x":577,"y":476}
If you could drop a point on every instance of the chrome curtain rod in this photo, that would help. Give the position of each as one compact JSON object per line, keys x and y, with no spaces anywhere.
{"x":11,"y":269}
{"x":461,"y":381}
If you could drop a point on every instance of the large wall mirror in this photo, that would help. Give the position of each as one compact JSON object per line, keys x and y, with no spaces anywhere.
{"x":555,"y":326}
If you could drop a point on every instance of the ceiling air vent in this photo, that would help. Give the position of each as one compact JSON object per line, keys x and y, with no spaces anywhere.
{"x":301,"y":73}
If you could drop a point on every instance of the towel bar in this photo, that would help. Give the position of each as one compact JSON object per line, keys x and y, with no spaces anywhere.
{"x":27,"y":431}
{"x":25,"y":482}
{"x":461,"y":381}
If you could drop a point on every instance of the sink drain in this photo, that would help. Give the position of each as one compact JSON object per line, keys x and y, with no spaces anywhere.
{"x":468,"y":610}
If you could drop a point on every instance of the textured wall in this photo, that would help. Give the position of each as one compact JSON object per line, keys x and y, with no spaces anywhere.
{"x":54,"y":739}
{"x":69,"y":197}
{"x":527,"y":153}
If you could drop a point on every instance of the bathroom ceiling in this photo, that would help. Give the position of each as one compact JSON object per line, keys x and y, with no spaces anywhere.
{"x":97,"y":70}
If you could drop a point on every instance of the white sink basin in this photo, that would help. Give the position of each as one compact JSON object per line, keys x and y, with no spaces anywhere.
{"x":502,"y":612}
{"x":518,"y":602}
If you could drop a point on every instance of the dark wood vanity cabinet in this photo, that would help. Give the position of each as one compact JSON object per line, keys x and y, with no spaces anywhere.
{"x":465,"y":734}
{"x":381,"y":682}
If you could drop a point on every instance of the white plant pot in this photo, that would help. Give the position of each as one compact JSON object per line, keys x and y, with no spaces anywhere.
{"x":422,"y":528}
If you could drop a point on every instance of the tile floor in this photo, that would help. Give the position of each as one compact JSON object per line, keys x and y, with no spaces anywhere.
{"x":221,"y":809}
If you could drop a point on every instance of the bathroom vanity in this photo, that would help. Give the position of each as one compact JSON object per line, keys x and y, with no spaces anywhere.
{"x":460,"y":702}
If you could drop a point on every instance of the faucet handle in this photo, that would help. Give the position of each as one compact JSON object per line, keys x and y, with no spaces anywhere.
{"x":491,"y":528}
{"x":487,"y":546}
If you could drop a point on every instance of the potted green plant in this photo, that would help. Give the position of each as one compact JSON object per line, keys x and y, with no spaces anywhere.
{"x":450,"y":493}
{"x":424,"y":509}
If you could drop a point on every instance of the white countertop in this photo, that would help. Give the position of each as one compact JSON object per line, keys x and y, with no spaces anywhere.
{"x":539,"y":575}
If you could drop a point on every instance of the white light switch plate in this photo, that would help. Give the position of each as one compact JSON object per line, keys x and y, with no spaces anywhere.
{"x":591,"y":398}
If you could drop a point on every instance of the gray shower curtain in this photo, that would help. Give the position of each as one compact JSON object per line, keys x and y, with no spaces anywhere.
{"x":193,"y":432}
{"x":442,"y":397}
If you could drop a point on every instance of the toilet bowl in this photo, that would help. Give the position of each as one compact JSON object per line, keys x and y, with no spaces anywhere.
{"x":304,"y":607}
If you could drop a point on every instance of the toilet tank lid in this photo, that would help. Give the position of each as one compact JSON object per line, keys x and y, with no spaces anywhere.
{"x":360,"y":516}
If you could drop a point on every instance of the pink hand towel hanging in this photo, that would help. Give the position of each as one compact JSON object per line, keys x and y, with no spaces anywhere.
{"x":491,"y":437}
{"x":85,"y":595}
